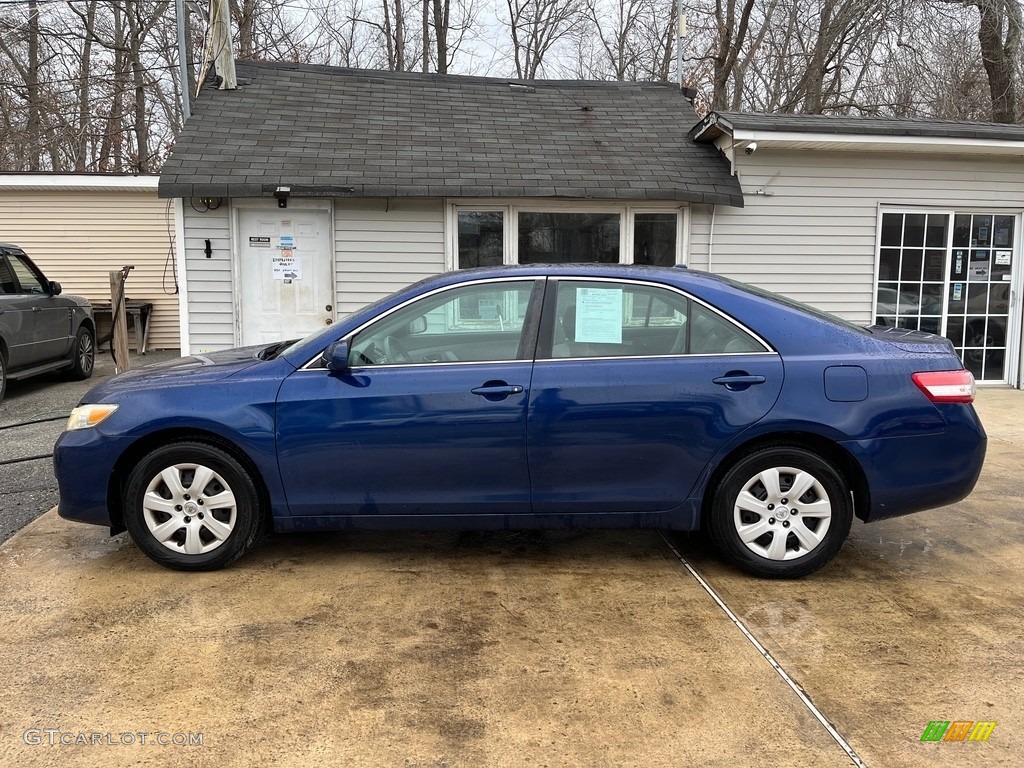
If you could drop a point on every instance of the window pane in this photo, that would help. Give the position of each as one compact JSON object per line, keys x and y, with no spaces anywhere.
{"x":962,"y":230}
{"x":622,"y":320}
{"x":889,"y":264}
{"x":911,"y":267}
{"x":7,"y":284}
{"x":913,"y":230}
{"x":470,"y":323}
{"x":654,"y":239}
{"x":892,"y":229}
{"x":933,"y":261}
{"x":981,"y":231}
{"x":561,"y":238}
{"x":936,"y":235}
{"x":30,"y":283}
{"x":481,"y":238}
{"x":1003,"y":234}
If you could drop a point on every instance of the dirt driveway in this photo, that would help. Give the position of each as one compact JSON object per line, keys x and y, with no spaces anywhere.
{"x":507,"y":649}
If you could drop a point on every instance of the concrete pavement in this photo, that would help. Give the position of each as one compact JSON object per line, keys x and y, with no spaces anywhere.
{"x":497,"y":649}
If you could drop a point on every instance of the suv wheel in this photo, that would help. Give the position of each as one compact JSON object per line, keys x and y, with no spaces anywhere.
{"x":84,"y":354}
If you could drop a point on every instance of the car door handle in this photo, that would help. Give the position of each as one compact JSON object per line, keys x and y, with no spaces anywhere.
{"x":494,"y":390}
{"x":37,"y":309}
{"x":737,"y":381}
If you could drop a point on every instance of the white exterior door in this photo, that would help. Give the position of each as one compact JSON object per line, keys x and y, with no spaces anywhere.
{"x":286,"y":276}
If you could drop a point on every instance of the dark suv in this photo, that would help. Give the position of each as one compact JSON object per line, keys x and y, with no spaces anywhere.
{"x":40,"y":330}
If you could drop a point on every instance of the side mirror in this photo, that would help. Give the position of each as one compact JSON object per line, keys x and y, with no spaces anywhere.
{"x":419,"y":325}
{"x":53,"y":288}
{"x":336,"y":356}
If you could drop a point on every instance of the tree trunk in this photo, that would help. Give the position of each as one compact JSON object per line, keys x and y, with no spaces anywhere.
{"x":442,"y":9}
{"x":998,"y":53}
{"x":85,"y":69}
{"x":35,"y":128}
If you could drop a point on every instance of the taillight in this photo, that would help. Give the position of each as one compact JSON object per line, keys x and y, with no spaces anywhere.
{"x":946,"y":386}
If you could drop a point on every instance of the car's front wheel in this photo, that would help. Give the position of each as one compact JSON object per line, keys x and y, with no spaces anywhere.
{"x":780,"y":512}
{"x":192,"y":506}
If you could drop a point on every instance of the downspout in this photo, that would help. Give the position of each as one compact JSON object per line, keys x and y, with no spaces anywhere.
{"x":711,"y":235}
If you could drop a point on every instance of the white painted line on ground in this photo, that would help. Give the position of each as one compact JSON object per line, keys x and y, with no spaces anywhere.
{"x":843,"y":743}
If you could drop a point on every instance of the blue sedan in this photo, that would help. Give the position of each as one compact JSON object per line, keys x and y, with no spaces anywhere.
{"x":536,"y":397}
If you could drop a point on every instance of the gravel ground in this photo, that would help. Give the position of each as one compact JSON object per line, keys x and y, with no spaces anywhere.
{"x":28,"y":487}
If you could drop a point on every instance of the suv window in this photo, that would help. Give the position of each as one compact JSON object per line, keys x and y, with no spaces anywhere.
{"x":7,"y":282}
{"x":31,"y":281}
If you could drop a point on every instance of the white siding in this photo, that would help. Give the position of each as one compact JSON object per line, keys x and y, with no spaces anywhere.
{"x":811,"y":233}
{"x":211,"y":295}
{"x":78,"y":237}
{"x":383,"y":245}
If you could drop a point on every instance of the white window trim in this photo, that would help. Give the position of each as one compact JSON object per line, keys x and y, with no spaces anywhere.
{"x":1015,"y":326}
{"x":510,"y":209}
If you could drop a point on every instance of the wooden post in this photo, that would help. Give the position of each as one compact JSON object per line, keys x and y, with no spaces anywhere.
{"x":119,"y":325}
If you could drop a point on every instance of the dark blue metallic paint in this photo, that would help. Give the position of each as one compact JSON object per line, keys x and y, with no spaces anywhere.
{"x":618,"y":442}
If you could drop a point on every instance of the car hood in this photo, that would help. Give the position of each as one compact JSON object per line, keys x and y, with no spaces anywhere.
{"x":212,"y":366}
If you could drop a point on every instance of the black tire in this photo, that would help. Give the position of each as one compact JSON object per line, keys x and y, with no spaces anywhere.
{"x":185,"y":518}
{"x":744,"y":501}
{"x":83,"y":354}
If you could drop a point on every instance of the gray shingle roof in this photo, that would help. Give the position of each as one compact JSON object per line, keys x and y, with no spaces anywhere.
{"x":707,"y":130}
{"x":327,"y":131}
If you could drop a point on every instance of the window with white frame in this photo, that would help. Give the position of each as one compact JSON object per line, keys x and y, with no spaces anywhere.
{"x":487,"y":235}
{"x":950,"y":273}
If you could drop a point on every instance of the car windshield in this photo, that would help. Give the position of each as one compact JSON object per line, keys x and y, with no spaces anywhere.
{"x":794,"y":304}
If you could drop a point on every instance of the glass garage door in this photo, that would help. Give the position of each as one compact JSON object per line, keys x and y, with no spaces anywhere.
{"x":950,"y":273}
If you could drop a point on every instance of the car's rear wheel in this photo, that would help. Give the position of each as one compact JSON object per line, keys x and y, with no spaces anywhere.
{"x":780,"y":512}
{"x":84,"y":353}
{"x":192,"y":506}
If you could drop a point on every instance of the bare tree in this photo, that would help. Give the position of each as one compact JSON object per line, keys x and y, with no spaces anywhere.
{"x":535,"y":26}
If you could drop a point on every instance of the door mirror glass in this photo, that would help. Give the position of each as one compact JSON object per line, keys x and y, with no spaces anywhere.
{"x":335,"y":357}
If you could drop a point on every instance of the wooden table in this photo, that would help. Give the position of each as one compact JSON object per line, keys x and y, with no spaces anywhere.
{"x":138,"y":311}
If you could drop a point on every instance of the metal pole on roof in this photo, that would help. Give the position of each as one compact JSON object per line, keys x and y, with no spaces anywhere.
{"x":186,"y":106}
{"x":680,"y":34}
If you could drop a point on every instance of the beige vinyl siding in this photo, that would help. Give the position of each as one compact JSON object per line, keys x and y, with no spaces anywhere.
{"x":78,"y":237}
{"x":811,"y":232}
{"x":383,"y":245}
{"x":211,"y":293}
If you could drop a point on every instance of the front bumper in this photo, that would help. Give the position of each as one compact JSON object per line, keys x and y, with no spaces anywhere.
{"x":83,"y":461}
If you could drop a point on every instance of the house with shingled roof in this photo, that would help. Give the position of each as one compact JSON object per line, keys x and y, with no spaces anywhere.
{"x":310,"y":191}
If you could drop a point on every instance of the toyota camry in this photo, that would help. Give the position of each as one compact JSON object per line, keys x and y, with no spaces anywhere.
{"x":536,"y":397}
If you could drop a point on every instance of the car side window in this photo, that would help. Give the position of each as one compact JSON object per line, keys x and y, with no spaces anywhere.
{"x":30,"y":281}
{"x":470,"y":323}
{"x":608,"y":319}
{"x":8,"y":286}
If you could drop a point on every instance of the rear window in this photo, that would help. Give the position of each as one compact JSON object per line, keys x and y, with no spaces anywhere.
{"x":794,"y":304}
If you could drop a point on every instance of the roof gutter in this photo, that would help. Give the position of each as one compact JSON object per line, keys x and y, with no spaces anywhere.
{"x":76,"y":182}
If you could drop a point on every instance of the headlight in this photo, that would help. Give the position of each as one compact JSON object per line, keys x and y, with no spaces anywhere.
{"x":85,"y":416}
